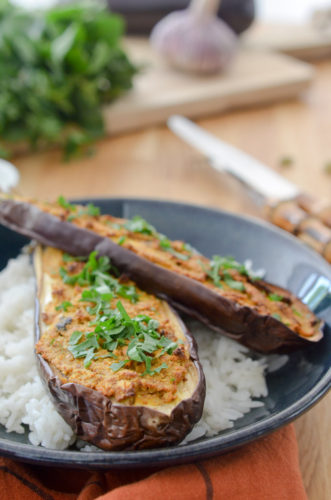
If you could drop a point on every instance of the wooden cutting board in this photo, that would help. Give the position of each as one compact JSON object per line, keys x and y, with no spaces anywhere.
{"x":303,"y":41}
{"x":255,"y":77}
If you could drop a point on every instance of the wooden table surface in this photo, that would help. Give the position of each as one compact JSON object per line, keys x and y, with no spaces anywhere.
{"x":153,"y":163}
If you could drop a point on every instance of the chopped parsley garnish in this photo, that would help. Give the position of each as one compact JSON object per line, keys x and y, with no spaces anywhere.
{"x":296,"y":312}
{"x":274,"y":297}
{"x":92,"y":210}
{"x":235,"y":284}
{"x":63,"y":306}
{"x":139,"y":225}
{"x":113,"y":328}
{"x":70,"y":258}
{"x":72,"y":217}
{"x":118,"y":365}
{"x":95,"y":273}
{"x":218,"y":272}
{"x":165,"y":244}
{"x":121,"y":240}
{"x":65,"y":204}
{"x":188,"y":248}
{"x":89,"y":209}
{"x":85,"y":349}
{"x":277,"y":316}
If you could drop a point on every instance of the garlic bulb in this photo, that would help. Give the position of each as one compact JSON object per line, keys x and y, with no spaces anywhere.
{"x":195,"y":39}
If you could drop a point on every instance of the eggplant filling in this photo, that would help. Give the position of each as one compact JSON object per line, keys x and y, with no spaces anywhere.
{"x":102,"y":332}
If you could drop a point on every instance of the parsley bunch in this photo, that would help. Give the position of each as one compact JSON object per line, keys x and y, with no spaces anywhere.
{"x":57,"y":68}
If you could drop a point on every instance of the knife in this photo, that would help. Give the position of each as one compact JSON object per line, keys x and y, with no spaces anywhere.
{"x":285,"y":205}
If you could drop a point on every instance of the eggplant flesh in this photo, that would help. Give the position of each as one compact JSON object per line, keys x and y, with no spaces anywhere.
{"x":250,"y":318}
{"x":123,"y":410}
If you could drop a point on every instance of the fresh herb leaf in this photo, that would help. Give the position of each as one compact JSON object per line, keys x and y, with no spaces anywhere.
{"x":276,"y":316}
{"x":92,"y":210}
{"x":65,"y":204}
{"x":85,"y":349}
{"x":72,"y":217}
{"x":163,"y":366}
{"x":115,"y":225}
{"x":191,"y":250}
{"x":214,"y":271}
{"x":63,"y":306}
{"x":127,"y":292}
{"x":139,"y":225}
{"x":218,"y":271}
{"x":68,"y":258}
{"x":117,"y":366}
{"x":166,"y":245}
{"x":121,"y":240}
{"x":275,"y":297}
{"x":67,"y":279}
{"x":88,"y":357}
{"x":123,"y":312}
{"x":75,"y":337}
{"x":234,"y":284}
{"x":296,"y":312}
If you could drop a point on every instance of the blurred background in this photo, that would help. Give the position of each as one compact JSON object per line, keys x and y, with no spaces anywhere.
{"x":267,"y":10}
{"x":83,"y":113}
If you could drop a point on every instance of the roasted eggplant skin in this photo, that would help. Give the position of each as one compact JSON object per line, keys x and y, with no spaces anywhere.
{"x":94,"y":418}
{"x":114,"y":426}
{"x":262,"y":333}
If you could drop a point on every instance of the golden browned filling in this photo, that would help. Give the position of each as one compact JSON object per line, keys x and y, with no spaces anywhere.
{"x":108,"y":335}
{"x":222,"y":274}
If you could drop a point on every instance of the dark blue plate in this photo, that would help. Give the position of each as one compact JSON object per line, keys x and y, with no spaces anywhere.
{"x":293,"y":389}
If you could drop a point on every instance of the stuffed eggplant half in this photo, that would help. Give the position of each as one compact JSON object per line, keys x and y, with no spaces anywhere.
{"x":219,"y":291}
{"x":119,"y":364}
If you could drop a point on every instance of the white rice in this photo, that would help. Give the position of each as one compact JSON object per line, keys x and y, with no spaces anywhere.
{"x":23,"y":399}
{"x":233,"y":378}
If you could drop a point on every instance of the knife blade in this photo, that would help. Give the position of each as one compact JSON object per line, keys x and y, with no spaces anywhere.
{"x":224,"y":157}
{"x":287,"y":207}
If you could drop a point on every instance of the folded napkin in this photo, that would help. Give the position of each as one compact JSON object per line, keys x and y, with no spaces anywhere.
{"x":265,"y":469}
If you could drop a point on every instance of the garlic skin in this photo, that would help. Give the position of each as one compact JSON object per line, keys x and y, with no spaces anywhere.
{"x":194,"y":43}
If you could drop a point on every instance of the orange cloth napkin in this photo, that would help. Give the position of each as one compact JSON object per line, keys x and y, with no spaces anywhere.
{"x":265,"y":469}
